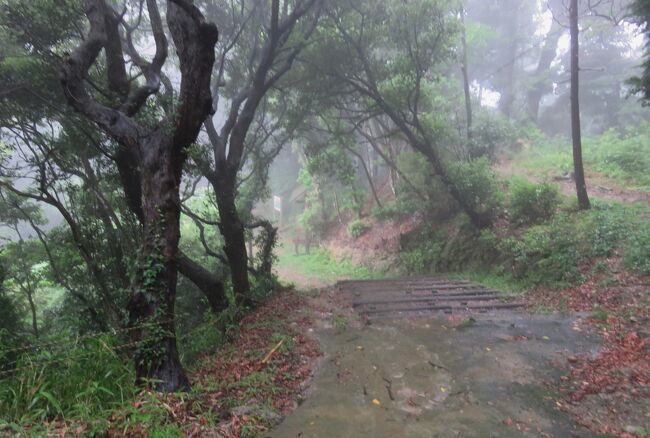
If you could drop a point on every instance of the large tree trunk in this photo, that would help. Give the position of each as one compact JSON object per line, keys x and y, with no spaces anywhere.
{"x":578,"y":168}
{"x":232,"y":230}
{"x":158,"y":155}
{"x":154,"y":293}
{"x":207,"y":282}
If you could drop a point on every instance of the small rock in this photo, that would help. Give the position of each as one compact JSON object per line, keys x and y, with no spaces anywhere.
{"x":572,"y":359}
{"x":633,"y":429}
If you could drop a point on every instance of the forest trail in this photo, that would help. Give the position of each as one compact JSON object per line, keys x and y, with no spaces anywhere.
{"x":436,"y":374}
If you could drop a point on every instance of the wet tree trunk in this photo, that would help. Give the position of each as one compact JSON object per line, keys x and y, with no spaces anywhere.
{"x":157,"y":155}
{"x":578,"y":168}
{"x":540,"y":77}
{"x":155,"y":284}
{"x":232,"y":230}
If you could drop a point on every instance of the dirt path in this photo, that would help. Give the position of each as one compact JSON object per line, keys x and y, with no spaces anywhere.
{"x":437,"y":376}
{"x":299,"y":280}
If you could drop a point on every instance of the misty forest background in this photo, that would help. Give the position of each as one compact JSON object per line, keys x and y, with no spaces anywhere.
{"x":142,"y":144}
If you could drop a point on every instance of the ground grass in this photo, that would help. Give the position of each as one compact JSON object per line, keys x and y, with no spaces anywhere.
{"x":320,"y":264}
{"x":504,"y":283}
{"x":623,"y":157}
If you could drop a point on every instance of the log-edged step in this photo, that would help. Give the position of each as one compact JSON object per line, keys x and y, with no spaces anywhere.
{"x":440,"y":299}
{"x":468,"y":308}
{"x":383,"y":298}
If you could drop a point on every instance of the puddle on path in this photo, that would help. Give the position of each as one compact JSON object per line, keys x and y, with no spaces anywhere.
{"x":484,"y":380}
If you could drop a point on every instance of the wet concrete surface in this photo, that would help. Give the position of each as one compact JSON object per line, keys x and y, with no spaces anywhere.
{"x":424,"y":378}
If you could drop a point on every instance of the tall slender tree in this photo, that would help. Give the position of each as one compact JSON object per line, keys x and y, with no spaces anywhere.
{"x":576,"y":133}
{"x":263,"y":58}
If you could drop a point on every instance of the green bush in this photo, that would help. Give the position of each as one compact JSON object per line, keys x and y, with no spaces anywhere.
{"x":532,"y":203}
{"x":491,"y":134}
{"x":637,"y":250}
{"x":478,"y":184}
{"x":357,"y":228}
{"x":453,"y":247}
{"x":314,"y":219}
{"x":549,"y":254}
{"x":388,"y":211}
{"x":437,"y":204}
{"x":10,"y":322}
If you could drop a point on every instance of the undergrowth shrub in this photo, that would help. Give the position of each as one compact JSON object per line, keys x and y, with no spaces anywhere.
{"x":357,"y":228}
{"x":437,"y":202}
{"x":314,"y":218}
{"x":625,"y":157}
{"x":637,"y":250}
{"x":455,"y":246}
{"x":549,"y":254}
{"x":388,"y":211}
{"x":79,"y":381}
{"x":491,"y":134}
{"x":532,"y":203}
{"x":478,"y":183}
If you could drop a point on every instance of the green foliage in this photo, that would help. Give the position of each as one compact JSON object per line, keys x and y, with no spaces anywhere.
{"x":357,"y":228}
{"x":531,"y":203}
{"x":551,"y":254}
{"x":478,"y":185}
{"x":423,"y":183}
{"x":623,"y":155}
{"x":637,"y":249}
{"x":314,"y":219}
{"x":71,"y":380}
{"x":641,"y":84}
{"x":454,"y":246}
{"x":207,"y":335}
{"x":600,"y":314}
{"x":491,"y":134}
{"x":321,"y":265}
{"x":10,"y":323}
{"x":548,"y":254}
{"x":388,"y":211}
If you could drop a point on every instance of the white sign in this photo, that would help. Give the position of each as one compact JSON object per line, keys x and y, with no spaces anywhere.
{"x":277,"y":204}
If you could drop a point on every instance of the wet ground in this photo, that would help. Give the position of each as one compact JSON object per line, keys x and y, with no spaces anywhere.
{"x":437,"y":376}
